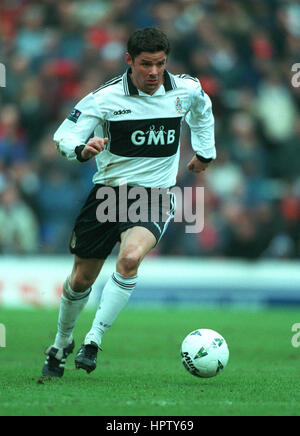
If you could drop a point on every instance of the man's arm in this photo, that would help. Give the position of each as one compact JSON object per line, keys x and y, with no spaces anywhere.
{"x":198,"y":164}
{"x":71,"y":137}
{"x":201,"y":122}
{"x":93,"y":147}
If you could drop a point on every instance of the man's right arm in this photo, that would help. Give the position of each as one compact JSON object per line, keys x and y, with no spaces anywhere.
{"x":93,"y":147}
{"x":72,"y":135}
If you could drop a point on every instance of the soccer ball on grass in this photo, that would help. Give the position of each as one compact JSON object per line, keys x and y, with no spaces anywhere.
{"x":204,"y":353}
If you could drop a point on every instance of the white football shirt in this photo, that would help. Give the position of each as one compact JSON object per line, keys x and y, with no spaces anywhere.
{"x":144,"y":131}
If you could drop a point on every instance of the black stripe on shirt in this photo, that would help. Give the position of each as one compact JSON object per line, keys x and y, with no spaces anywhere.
{"x":153,"y":138}
{"x":109,"y":83}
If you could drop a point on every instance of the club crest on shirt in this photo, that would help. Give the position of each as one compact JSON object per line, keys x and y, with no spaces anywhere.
{"x":179,"y":108}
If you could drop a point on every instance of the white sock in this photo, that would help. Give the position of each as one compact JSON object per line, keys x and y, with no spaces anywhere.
{"x":71,"y":305}
{"x":115,"y":296}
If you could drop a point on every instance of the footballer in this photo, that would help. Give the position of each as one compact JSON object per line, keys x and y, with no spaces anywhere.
{"x":131,"y":125}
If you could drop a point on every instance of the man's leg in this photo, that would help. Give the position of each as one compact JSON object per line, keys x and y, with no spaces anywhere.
{"x":76,"y":291}
{"x":136,"y":242}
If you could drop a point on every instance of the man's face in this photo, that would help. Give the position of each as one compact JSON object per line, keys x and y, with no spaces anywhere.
{"x":148,"y":70}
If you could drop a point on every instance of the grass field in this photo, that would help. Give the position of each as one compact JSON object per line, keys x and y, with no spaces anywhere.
{"x":140,"y":372}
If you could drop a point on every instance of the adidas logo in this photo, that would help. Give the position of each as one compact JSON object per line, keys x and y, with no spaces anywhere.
{"x":123,"y":112}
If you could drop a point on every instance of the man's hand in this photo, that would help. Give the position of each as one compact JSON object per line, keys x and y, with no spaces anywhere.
{"x":93,"y":147}
{"x":197,"y":166}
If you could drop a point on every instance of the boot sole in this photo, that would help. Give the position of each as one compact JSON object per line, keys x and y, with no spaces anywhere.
{"x":84,"y":366}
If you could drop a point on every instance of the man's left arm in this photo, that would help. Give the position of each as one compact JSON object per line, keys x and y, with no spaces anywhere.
{"x":201,"y":122}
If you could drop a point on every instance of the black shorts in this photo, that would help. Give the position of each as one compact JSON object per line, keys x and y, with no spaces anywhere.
{"x":108,"y":212}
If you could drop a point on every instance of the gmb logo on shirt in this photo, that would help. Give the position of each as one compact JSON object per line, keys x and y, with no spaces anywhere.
{"x":153,"y":136}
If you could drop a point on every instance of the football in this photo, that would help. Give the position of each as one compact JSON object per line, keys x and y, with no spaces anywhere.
{"x":204,"y":353}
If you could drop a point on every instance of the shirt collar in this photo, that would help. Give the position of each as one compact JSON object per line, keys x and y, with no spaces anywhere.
{"x":130,"y":89}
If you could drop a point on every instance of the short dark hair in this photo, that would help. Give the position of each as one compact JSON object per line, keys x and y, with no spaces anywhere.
{"x":149,"y":40}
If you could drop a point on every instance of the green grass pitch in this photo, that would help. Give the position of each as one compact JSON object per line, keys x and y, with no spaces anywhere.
{"x":140,"y":372}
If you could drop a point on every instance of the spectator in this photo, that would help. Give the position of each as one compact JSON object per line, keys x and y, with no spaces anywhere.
{"x":13,"y":141}
{"x":20,"y":235}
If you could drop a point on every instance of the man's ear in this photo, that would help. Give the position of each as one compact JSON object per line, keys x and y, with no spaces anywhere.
{"x":128,"y":59}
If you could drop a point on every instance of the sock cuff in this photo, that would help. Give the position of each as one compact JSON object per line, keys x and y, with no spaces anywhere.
{"x":126,"y":283}
{"x":74,"y":296}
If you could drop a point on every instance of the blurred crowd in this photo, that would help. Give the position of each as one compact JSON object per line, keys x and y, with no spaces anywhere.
{"x":56,"y":52}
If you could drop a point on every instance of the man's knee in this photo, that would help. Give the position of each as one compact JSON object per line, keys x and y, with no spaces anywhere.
{"x":129,"y":261}
{"x":85,"y":273}
{"x":81,"y":279}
